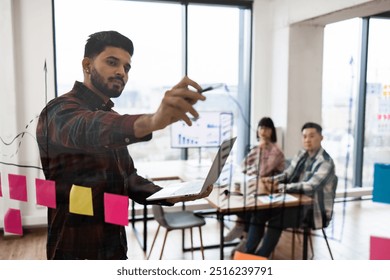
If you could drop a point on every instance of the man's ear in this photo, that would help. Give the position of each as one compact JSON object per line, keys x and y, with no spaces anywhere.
{"x":86,"y":63}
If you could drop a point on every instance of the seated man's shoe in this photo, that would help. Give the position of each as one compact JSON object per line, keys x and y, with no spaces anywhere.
{"x":236,"y":232}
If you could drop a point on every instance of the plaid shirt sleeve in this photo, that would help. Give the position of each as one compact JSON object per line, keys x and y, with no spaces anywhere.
{"x":313,"y":178}
{"x":287,"y":173}
{"x":72,"y":124}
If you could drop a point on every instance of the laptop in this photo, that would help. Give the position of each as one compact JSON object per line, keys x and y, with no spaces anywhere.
{"x":196,"y":187}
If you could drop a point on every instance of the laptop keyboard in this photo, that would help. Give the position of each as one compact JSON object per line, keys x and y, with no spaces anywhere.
{"x":190,"y":187}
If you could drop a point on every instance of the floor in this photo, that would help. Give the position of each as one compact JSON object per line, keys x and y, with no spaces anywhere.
{"x":349,"y":238}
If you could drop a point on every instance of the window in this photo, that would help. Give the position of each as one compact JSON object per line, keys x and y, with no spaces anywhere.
{"x":340,"y":73}
{"x":213,"y":49}
{"x":356,"y":97}
{"x":377,"y":113}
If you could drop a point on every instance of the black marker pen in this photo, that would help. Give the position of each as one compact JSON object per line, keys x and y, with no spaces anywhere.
{"x":208,"y":89}
{"x":211,"y":88}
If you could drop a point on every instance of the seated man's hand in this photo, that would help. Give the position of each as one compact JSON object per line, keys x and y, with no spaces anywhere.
{"x":266,"y":180}
{"x":270,"y":185}
{"x":191,"y":197}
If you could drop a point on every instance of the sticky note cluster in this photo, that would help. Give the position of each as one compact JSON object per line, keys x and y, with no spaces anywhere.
{"x":80,"y":202}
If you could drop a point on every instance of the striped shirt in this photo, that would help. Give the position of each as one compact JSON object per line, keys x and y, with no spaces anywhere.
{"x":316,"y":178}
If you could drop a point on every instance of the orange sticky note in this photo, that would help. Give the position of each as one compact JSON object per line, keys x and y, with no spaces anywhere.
{"x":17,"y":187}
{"x":80,"y":200}
{"x":116,"y":209}
{"x":45,"y":192}
{"x":13,"y":222}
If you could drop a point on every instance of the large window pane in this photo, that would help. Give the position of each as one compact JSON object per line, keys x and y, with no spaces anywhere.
{"x":212,"y":33}
{"x":213,"y":44}
{"x":218,"y":53}
{"x":377,"y":122}
{"x":341,"y":64}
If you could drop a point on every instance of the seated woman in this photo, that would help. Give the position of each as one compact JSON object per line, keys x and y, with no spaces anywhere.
{"x":265,"y":159}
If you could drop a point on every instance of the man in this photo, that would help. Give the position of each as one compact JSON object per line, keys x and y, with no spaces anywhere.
{"x":83,"y":142}
{"x":311,"y":172}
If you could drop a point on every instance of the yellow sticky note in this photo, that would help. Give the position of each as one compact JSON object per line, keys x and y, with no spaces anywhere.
{"x":80,"y":200}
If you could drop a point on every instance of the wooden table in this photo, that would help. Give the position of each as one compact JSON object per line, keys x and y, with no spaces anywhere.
{"x":186,"y":171}
{"x":233,"y":204}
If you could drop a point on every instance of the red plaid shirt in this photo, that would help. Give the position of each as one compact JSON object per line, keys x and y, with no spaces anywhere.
{"x":82,"y":141}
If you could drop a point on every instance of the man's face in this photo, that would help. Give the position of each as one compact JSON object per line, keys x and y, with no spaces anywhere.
{"x":109,"y":71}
{"x":311,"y":140}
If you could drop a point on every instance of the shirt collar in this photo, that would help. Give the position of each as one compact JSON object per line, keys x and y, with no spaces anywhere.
{"x":315,"y":155}
{"x":95,"y":101}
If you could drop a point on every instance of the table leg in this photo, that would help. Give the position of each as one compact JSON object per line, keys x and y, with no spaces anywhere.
{"x":145,"y":219}
{"x":133,"y":213}
{"x":221,"y":235}
{"x":143,"y":243}
{"x":306,"y":233}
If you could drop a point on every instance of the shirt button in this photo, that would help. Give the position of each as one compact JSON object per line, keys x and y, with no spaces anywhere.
{"x":127,"y":140}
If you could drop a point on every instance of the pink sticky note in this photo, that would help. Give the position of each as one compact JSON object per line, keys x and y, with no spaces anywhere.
{"x":13,"y":222}
{"x":379,"y":248}
{"x":1,"y":192}
{"x":17,"y":187}
{"x":46,"y":192}
{"x":116,"y":209}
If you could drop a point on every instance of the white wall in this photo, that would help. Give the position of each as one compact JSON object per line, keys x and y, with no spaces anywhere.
{"x":26,"y":42}
{"x":287,"y":69}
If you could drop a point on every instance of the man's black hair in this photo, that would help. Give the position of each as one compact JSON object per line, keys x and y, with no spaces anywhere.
{"x":312,"y":125}
{"x":98,"y":41}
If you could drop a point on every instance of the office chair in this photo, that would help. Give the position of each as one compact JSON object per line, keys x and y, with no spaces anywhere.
{"x":295,"y":230}
{"x":176,"y":220}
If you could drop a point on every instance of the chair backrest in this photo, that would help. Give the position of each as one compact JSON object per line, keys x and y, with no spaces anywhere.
{"x":159,"y":215}
{"x":329,"y":202}
{"x":322,"y":212}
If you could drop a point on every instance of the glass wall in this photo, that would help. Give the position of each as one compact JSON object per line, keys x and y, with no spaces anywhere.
{"x":213,"y":54}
